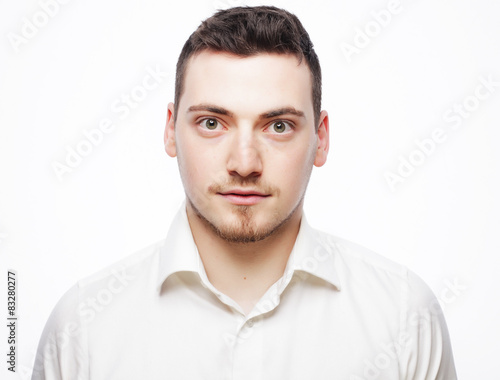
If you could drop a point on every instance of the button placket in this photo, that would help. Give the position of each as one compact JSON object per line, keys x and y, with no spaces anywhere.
{"x":248,"y":351}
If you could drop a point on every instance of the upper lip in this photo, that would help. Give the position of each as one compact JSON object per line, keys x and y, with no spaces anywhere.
{"x":243,"y":192}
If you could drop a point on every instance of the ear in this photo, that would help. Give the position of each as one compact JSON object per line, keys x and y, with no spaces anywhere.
{"x":169,"y":137}
{"x":323,"y":140}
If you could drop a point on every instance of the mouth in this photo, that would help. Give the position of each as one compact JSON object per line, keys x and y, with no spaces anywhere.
{"x":243,"y":197}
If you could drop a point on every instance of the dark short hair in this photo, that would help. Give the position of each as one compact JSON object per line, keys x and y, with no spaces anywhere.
{"x":247,"y":31}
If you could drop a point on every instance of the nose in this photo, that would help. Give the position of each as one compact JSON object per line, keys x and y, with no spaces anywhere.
{"x":244,"y":158}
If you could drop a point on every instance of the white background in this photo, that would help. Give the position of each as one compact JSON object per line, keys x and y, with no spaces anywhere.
{"x":441,"y":221}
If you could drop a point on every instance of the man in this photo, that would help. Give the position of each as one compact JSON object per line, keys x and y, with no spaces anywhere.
{"x":243,"y":287}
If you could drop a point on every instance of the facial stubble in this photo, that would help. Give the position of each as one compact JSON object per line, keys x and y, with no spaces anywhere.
{"x":245,"y":231}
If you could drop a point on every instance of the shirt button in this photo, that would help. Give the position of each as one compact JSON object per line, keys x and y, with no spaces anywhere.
{"x":250,"y":323}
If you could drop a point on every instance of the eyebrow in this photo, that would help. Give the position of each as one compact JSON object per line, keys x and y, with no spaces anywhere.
{"x":210,"y":108}
{"x":280,"y":112}
{"x":265,"y":115}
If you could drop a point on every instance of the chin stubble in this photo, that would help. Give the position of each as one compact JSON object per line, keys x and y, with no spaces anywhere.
{"x":244,"y":233}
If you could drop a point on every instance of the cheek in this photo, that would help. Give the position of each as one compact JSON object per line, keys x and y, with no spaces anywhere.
{"x":195,"y":164}
{"x":291,"y":171}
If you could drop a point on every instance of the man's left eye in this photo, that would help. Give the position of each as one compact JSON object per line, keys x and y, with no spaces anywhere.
{"x":280,"y":127}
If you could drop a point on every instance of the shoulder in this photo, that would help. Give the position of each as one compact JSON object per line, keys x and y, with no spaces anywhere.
{"x":362,"y":270}
{"x":112,"y":277}
{"x":62,"y":351}
{"x":126,"y":269}
{"x":388,"y":289}
{"x":354,"y":260}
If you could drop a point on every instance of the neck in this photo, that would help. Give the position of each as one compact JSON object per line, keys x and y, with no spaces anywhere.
{"x":244,"y":271}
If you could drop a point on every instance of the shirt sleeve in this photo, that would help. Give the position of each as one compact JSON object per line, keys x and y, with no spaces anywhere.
{"x":62,"y":353}
{"x":426,"y":353}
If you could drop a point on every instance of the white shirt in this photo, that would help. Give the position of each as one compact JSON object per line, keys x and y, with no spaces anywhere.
{"x":339,"y":312}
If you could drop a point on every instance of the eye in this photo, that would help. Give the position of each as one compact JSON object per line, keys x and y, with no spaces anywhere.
{"x":211,"y":124}
{"x":280,"y":127}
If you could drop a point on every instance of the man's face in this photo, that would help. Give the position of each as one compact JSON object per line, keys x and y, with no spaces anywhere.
{"x":245,"y":140}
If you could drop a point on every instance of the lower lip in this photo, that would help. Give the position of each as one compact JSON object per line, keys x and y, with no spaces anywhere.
{"x":244,"y":200}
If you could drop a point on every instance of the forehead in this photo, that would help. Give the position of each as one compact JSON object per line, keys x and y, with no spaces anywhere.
{"x":247,"y":84}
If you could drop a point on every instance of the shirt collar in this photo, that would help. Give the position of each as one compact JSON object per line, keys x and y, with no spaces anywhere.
{"x":313,"y":253}
{"x":179,"y":252}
